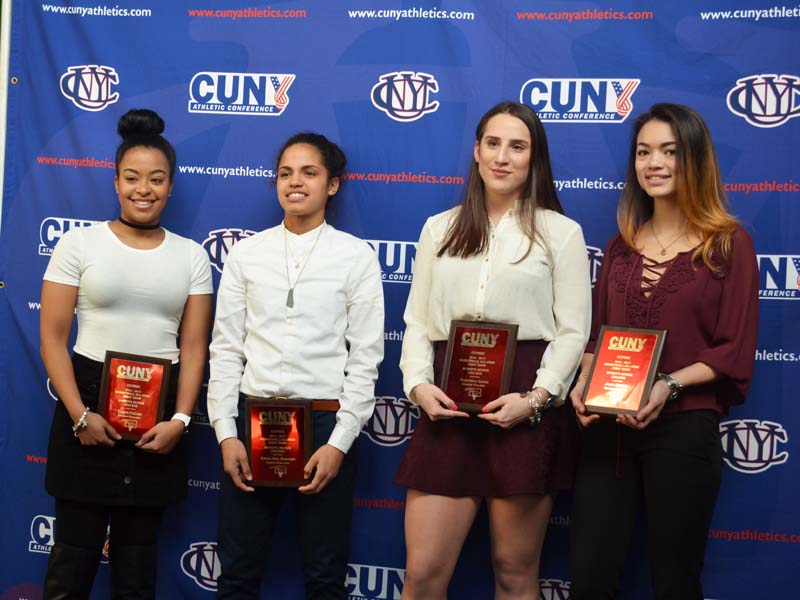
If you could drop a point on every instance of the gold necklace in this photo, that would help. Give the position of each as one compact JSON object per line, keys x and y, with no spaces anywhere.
{"x":663,"y":247}
{"x":290,"y":294}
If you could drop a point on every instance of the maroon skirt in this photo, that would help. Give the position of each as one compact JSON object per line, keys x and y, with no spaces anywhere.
{"x":470,"y":457}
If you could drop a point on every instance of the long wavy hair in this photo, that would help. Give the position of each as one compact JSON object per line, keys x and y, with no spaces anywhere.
{"x":468,"y":234}
{"x":700,"y":194}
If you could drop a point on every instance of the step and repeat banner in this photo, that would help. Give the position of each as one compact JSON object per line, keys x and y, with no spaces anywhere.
{"x":400,"y":86}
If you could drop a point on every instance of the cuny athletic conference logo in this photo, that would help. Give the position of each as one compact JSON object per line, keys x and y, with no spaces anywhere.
{"x":404,"y":95}
{"x":766,"y":100}
{"x":90,"y":86}
{"x":595,"y":262}
{"x":239,"y":93}
{"x":751,"y":446}
{"x":393,"y":421}
{"x":43,"y":536}
{"x":201,"y":563}
{"x":52,"y":228}
{"x":554,"y":589}
{"x":779,"y":277}
{"x":580,"y":100}
{"x":220,"y":241}
{"x":396,"y":259}
{"x":370,"y":582}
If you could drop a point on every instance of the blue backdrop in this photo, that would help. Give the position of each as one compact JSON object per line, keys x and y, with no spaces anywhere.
{"x":400,"y":85}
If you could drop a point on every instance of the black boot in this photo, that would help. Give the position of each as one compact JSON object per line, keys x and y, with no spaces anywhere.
{"x":70,"y":572}
{"x":133,"y":572}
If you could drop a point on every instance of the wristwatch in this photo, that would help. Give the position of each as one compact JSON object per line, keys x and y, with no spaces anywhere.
{"x":185,"y":419}
{"x":675,"y":388}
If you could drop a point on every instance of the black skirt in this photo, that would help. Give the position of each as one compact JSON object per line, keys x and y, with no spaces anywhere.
{"x":470,"y":457}
{"x":118,"y":476}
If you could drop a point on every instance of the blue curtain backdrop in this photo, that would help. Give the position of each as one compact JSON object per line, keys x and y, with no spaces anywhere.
{"x":400,"y":85}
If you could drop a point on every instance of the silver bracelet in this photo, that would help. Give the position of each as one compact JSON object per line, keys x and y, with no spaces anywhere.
{"x":537,"y":408}
{"x":81,"y":423}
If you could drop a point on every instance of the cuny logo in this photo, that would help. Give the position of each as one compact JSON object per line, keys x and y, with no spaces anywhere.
{"x":780,"y":277}
{"x":405,"y":95}
{"x":89,"y":86}
{"x":201,"y":563}
{"x":580,"y":100}
{"x":43,"y":536}
{"x":396,"y":259}
{"x":370,"y":582}
{"x":52,"y":228}
{"x":751,"y":446}
{"x":220,"y":241}
{"x":554,"y":589}
{"x":239,"y":93}
{"x":766,"y":100}
{"x":595,"y":262}
{"x":393,"y":421}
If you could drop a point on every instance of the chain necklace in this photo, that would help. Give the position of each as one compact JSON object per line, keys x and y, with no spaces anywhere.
{"x":290,"y":295}
{"x":663,"y":247}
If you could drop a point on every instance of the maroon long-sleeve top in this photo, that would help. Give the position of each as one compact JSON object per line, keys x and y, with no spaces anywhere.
{"x":709,"y":317}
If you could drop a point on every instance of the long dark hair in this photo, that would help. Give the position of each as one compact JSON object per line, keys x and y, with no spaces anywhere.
{"x":468,"y":234}
{"x":143,"y":127}
{"x":700,"y":193}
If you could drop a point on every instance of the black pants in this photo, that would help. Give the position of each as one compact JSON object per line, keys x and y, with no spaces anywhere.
{"x":247,"y":520}
{"x":84,"y":525}
{"x":673,"y":468}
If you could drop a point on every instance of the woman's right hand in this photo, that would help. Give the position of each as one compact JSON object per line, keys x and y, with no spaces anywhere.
{"x":584,"y":417}
{"x":98,"y":432}
{"x":435,"y":402}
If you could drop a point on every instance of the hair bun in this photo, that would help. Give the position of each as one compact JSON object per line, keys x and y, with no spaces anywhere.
{"x":140,"y":122}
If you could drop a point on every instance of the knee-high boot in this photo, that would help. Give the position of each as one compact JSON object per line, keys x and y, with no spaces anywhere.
{"x":70,"y":572}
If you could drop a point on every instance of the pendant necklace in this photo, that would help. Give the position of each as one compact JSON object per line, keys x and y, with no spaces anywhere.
{"x":663,"y":247}
{"x":290,"y":295}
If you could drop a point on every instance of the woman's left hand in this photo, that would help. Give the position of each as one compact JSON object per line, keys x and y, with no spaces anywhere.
{"x":507,"y":411}
{"x":655,"y":404}
{"x":162,"y":438}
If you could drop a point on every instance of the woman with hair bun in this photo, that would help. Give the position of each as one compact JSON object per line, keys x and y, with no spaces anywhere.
{"x":300,"y":315}
{"x":681,"y":262}
{"x":140,"y":289}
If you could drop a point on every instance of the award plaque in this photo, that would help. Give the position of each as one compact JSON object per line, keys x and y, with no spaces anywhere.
{"x":623,"y":369}
{"x":278,"y":438}
{"x":478,"y":363}
{"x":132,"y":392}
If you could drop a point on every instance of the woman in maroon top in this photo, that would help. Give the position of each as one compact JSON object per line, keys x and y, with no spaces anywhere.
{"x":681,"y":262}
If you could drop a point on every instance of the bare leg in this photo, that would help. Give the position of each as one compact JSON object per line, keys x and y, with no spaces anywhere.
{"x":436,"y":527}
{"x":518,"y":525}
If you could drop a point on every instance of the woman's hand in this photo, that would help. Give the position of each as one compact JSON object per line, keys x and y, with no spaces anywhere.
{"x":435,"y":402}
{"x":655,"y":404}
{"x":98,"y":432}
{"x":162,"y":438}
{"x":507,"y":411}
{"x":585,"y":418}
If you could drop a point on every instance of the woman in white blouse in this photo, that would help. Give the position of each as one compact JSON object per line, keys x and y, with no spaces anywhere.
{"x":506,"y":254}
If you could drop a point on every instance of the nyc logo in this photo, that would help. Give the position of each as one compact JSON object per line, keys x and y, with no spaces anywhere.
{"x":766,"y":100}
{"x":201,"y":563}
{"x":405,"y":96}
{"x":393,"y":421}
{"x":90,"y":86}
{"x":220,"y":241}
{"x":751,"y":446}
